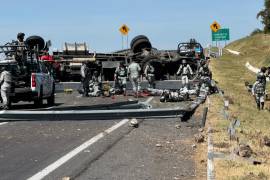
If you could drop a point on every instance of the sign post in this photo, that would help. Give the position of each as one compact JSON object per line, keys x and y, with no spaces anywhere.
{"x":124,"y":29}
{"x":219,"y":34}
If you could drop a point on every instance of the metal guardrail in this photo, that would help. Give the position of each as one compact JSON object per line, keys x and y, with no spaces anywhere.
{"x":59,"y":115}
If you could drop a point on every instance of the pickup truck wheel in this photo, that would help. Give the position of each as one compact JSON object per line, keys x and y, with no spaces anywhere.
{"x":51,"y":99}
{"x":39,"y":101}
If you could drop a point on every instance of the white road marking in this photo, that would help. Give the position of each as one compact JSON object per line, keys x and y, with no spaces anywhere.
{"x":50,"y":107}
{"x":41,"y":174}
{"x":149,"y":100}
{"x":3,"y":123}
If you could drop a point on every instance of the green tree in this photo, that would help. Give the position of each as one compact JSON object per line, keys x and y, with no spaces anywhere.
{"x":265,"y":16}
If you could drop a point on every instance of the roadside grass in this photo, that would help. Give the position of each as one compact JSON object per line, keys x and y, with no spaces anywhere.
{"x":230,"y":73}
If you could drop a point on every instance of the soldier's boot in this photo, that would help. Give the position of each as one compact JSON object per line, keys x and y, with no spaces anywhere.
{"x":258,"y":106}
{"x":124,"y":91}
{"x":262,"y":105}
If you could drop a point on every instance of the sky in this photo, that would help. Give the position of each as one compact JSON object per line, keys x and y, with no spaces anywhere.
{"x":96,"y":22}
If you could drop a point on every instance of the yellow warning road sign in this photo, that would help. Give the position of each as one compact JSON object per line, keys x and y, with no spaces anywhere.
{"x":124,"y":29}
{"x":215,"y":26}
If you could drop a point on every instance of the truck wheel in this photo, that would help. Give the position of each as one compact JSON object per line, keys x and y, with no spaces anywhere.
{"x":139,"y":43}
{"x":33,"y":41}
{"x":39,"y":101}
{"x":51,"y":99}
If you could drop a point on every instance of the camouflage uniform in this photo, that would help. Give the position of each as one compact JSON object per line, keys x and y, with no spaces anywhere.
{"x":120,"y":77}
{"x":150,"y":75}
{"x":185,"y":71}
{"x":258,"y":90}
{"x":5,"y":81}
{"x":134,"y":70}
{"x":86,"y":75}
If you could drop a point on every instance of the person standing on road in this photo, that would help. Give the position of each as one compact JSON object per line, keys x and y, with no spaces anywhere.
{"x":185,"y":71}
{"x":120,"y":78}
{"x":95,"y":85}
{"x":20,"y":51}
{"x":258,"y":90}
{"x":149,"y":72}
{"x":205,"y":75}
{"x":85,"y":75}
{"x":134,"y":72}
{"x":5,"y":82}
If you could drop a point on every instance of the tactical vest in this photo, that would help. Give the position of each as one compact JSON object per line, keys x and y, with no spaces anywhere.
{"x":260,"y":88}
{"x":122,"y":72}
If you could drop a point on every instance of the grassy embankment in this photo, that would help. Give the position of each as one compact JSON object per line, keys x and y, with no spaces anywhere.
{"x":230,"y":73}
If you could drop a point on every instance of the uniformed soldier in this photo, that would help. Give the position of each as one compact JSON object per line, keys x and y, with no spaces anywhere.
{"x":20,"y":51}
{"x":205,"y":75}
{"x":263,"y":71}
{"x":134,"y":72}
{"x":86,"y":76}
{"x":95,"y":84}
{"x":5,"y":82}
{"x":149,"y":72}
{"x":120,"y":77}
{"x":185,"y":71}
{"x":258,"y":90}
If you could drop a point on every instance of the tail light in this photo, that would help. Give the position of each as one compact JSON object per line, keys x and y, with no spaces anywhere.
{"x":33,"y":77}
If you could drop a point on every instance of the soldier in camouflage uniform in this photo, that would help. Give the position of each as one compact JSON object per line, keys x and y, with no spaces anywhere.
{"x":120,"y":78}
{"x":150,"y":75}
{"x":185,"y":71}
{"x":258,"y":90}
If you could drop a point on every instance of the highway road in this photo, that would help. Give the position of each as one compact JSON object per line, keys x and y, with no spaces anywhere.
{"x":98,"y":149}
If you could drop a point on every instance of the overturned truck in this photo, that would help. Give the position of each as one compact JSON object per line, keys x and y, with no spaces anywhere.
{"x":165,"y":62}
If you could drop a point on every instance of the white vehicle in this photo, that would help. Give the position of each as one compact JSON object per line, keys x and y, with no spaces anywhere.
{"x":32,"y":82}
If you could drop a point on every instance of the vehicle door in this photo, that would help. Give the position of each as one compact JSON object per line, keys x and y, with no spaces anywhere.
{"x":46,"y":80}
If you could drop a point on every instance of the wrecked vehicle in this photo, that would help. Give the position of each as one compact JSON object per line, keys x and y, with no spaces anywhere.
{"x":31,"y":79}
{"x":165,"y":62}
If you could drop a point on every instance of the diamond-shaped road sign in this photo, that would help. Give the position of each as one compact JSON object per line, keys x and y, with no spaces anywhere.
{"x":215,"y":26}
{"x":124,"y":29}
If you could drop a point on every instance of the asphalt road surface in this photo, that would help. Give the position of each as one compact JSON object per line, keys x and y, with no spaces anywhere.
{"x":104,"y":149}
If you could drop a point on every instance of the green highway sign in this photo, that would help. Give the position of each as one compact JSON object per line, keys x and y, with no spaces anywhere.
{"x":221,"y":35}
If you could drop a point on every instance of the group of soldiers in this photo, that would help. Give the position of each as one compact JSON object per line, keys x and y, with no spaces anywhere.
{"x":92,"y":85}
{"x":259,"y":88}
{"x":121,"y":75}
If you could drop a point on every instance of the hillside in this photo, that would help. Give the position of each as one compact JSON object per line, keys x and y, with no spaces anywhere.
{"x":230,"y":73}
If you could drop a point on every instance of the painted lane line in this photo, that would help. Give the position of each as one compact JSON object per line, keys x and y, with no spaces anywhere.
{"x":41,"y":174}
{"x":149,"y":100}
{"x":3,"y":123}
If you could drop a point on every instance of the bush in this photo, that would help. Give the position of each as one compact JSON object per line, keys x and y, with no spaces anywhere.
{"x":256,"y":31}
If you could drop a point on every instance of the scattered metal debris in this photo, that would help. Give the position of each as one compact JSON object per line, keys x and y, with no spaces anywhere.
{"x":134,"y":123}
{"x":199,"y":138}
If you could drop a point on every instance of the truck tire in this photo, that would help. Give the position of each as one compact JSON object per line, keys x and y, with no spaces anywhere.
{"x":33,"y":41}
{"x":51,"y":99}
{"x":139,"y":43}
{"x":39,"y":101}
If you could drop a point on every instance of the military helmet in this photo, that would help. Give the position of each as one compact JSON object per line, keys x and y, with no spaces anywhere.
{"x":263,"y":69}
{"x":20,"y":35}
{"x":162,"y":98}
{"x":95,"y":73}
{"x":260,"y":76}
{"x":122,"y":63}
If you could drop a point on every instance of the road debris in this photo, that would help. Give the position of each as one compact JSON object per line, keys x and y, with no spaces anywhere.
{"x":158,"y":145}
{"x":243,"y":150}
{"x":177,"y":126}
{"x":266,"y":141}
{"x":134,"y":123}
{"x":199,"y":138}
